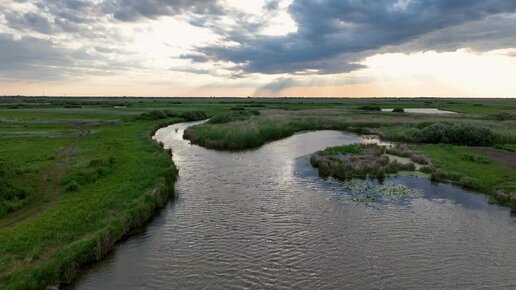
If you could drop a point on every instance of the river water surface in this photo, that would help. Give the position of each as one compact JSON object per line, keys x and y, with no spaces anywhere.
{"x":264,"y":219}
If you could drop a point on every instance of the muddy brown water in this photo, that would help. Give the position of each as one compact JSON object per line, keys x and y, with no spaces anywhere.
{"x":263,"y":219}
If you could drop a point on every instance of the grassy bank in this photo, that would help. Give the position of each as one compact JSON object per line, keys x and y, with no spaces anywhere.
{"x":473,"y":168}
{"x":469,"y":167}
{"x":476,"y":170}
{"x":77,"y":174}
{"x":83,"y":224}
{"x":89,"y":176}
{"x":271,"y":125}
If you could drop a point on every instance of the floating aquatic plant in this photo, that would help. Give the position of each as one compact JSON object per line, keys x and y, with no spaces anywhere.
{"x":364,"y":191}
{"x":396,"y":191}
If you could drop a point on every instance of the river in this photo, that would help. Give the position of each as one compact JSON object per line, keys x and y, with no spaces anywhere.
{"x":264,"y":219}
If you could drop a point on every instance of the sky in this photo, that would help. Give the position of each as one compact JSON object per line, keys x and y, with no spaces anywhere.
{"x":298,"y":48}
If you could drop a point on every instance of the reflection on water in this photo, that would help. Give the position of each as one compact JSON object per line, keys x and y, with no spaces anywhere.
{"x":264,"y":219}
{"x":423,"y":111}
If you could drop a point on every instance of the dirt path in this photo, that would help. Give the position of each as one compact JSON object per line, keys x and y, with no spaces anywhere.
{"x":506,"y":158}
{"x":49,"y":189}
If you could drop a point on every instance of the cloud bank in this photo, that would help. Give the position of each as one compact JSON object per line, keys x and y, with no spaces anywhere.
{"x":69,"y":38}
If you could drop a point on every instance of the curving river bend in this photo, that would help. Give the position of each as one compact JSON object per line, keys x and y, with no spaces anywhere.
{"x":264,"y":219}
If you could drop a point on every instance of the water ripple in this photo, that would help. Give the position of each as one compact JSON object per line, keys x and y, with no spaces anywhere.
{"x":264,"y":219}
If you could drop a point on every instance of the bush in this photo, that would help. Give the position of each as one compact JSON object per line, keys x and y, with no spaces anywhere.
{"x":501,"y":117}
{"x":96,"y":169}
{"x":193,"y":115}
{"x":158,"y":115}
{"x":506,"y":147}
{"x":153,"y":115}
{"x":233,"y":116}
{"x":403,"y":150}
{"x":369,"y":108}
{"x":424,"y":124}
{"x":12,"y":196}
{"x":345,"y":149}
{"x":398,"y":110}
{"x":475,"y":159}
{"x":72,"y":186}
{"x":356,"y":161}
{"x":457,"y":134}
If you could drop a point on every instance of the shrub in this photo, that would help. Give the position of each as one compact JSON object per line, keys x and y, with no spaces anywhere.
{"x":187,"y":115}
{"x":153,"y":115}
{"x":369,"y":108}
{"x":467,"y":182}
{"x":398,"y":110}
{"x":424,"y":124}
{"x":12,"y":196}
{"x":356,"y":161}
{"x":233,"y":116}
{"x":457,"y":134}
{"x":506,"y":147}
{"x":403,"y":150}
{"x":501,"y":117}
{"x":475,"y":159}
{"x":96,"y":169}
{"x":426,"y":169}
{"x":72,"y":186}
{"x":193,"y":115}
{"x":350,"y":149}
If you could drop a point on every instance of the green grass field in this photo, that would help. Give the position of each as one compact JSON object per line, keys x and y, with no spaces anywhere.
{"x":487,"y":174}
{"x":89,"y":175}
{"x":77,"y":174}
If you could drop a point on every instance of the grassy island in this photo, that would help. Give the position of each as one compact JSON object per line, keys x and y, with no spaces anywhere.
{"x":357,"y":161}
{"x":473,"y":148}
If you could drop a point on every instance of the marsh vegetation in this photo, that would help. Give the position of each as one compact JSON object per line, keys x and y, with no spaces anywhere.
{"x":458,"y":132}
{"x":77,"y":174}
{"x":357,"y":161}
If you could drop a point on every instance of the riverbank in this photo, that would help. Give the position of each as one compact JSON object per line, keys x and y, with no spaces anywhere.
{"x":270,"y":125}
{"x":478,"y":171}
{"x":462,"y":166}
{"x":87,"y":221}
{"x":264,"y":218}
{"x":76,"y":176}
{"x":474,"y":168}
{"x":82,"y":172}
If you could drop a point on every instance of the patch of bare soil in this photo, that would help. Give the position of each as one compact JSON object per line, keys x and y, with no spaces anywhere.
{"x":506,"y":158}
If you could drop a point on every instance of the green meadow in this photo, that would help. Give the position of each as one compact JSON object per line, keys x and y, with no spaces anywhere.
{"x":79,"y":174}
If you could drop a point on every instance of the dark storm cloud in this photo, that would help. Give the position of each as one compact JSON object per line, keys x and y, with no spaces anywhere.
{"x":333,"y":36}
{"x":67,"y":14}
{"x":97,"y":47}
{"x":331,"y":33}
{"x":130,"y":10}
{"x":490,"y":33}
